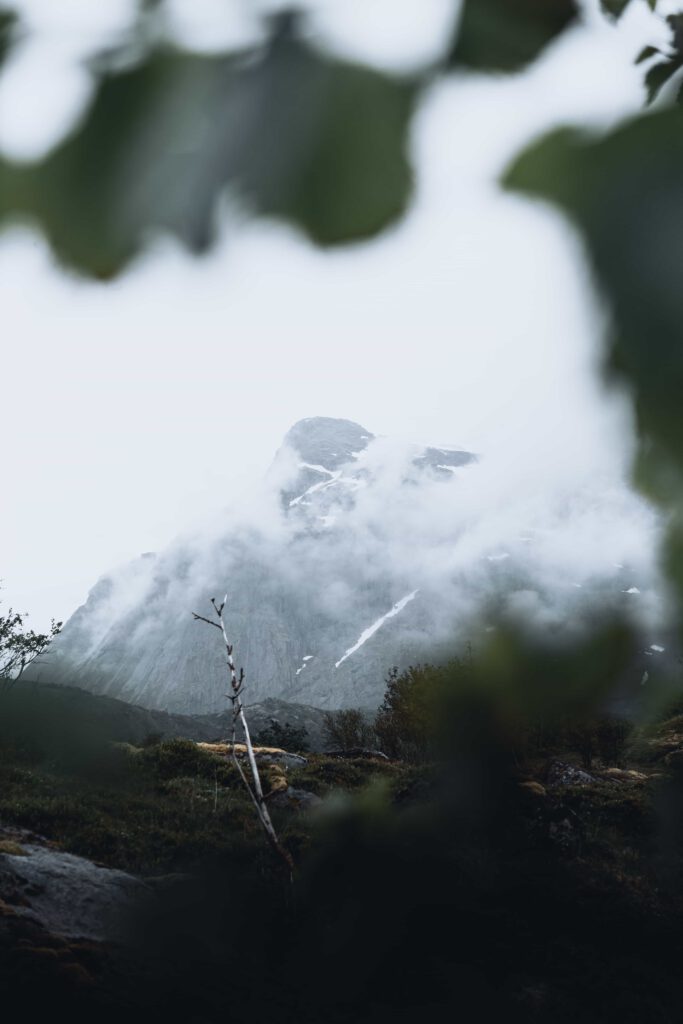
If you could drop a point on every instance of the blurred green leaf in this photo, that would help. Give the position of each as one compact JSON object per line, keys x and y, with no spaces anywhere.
{"x":298,"y":135}
{"x":646,"y":53}
{"x":615,"y":8}
{"x":8,"y":22}
{"x":625,"y":191}
{"x":659,"y":75}
{"x":506,"y":35}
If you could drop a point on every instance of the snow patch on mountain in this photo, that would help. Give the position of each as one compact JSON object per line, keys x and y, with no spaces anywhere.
{"x":371,"y":630}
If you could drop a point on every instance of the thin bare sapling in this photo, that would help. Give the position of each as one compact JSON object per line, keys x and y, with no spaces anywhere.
{"x":253,"y":787}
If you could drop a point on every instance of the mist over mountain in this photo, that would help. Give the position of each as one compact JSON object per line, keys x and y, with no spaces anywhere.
{"x":355,"y":554}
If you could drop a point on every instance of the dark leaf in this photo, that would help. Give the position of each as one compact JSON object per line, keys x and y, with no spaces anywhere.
{"x":625,"y":191}
{"x":675,"y":23}
{"x":301,"y":136}
{"x":615,"y":8}
{"x":646,"y":53}
{"x":506,"y":35}
{"x":8,"y":22}
{"x":659,"y":75}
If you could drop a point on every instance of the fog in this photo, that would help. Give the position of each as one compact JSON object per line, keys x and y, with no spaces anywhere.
{"x":385,"y":559}
{"x":151,"y":408}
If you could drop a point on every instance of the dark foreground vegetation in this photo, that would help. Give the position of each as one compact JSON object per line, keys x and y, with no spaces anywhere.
{"x":513,"y":861}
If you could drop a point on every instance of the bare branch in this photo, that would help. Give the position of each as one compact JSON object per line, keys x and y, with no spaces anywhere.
{"x":254,"y":788}
{"x":201,"y":618}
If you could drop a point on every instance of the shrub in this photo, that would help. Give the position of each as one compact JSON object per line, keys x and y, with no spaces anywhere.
{"x":152,"y":739}
{"x":613,"y":737}
{"x":348,"y":728}
{"x":406,"y":723}
{"x":594,"y":736}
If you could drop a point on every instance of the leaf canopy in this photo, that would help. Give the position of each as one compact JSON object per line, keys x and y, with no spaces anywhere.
{"x":506,"y":35}
{"x":624,"y":190}
{"x":295,"y":134}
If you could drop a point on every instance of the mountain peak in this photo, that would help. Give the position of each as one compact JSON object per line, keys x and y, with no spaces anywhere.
{"x":323,"y":440}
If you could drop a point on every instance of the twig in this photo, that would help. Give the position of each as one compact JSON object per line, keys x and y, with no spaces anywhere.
{"x":254,"y":788}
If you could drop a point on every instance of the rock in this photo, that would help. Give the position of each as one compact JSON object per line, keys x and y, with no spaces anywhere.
{"x":302,"y":716}
{"x":351,"y":752}
{"x":282,"y":757}
{"x":68,"y":896}
{"x":297,"y":799}
{"x":562,"y":774}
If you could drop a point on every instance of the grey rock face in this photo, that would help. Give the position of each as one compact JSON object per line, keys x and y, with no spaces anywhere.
{"x":322,"y":440}
{"x":68,"y":895}
{"x":298,"y":603}
{"x":355,"y":565}
{"x":262,"y":715}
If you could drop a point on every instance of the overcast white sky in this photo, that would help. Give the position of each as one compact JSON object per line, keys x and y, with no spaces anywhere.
{"x":132,"y":409}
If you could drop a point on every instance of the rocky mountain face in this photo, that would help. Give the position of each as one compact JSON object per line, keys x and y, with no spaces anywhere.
{"x":358,"y":554}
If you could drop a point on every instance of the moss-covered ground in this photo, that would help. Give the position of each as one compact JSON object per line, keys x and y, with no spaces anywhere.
{"x":501,"y":884}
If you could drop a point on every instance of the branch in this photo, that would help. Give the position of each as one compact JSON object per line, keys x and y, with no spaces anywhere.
{"x":255,"y":789}
{"x":200,"y":618}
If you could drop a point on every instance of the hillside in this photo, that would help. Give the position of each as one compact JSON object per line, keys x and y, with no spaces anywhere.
{"x":120,"y":866}
{"x":39,"y":706}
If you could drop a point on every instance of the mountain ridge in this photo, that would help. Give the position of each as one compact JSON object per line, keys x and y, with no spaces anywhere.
{"x":360,"y":553}
{"x":115,"y":642}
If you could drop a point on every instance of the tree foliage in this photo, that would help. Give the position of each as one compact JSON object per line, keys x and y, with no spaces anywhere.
{"x":20,"y":646}
{"x":506,"y":35}
{"x":283,"y":735}
{"x":406,"y":724}
{"x":7,"y":24}
{"x":292,"y":132}
{"x":347,"y":729}
{"x":284,"y":128}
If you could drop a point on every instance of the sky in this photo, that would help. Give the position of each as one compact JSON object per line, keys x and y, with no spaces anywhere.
{"x":132,"y":410}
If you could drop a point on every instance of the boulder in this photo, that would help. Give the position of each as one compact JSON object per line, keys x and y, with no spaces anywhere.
{"x":562,"y":774}
{"x":297,"y":799}
{"x":66,"y":895}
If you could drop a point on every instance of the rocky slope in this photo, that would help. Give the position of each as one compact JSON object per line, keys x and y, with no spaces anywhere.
{"x":45,"y":709}
{"x":358,"y":554}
